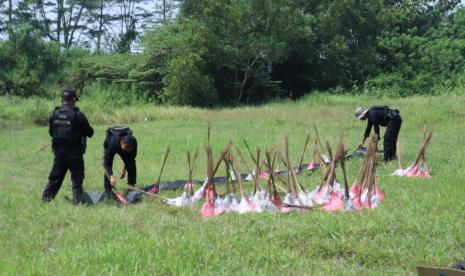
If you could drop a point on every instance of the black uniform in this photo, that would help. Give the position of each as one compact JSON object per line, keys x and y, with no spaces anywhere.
{"x":389,"y":118}
{"x":68,"y":128}
{"x":112,"y":146}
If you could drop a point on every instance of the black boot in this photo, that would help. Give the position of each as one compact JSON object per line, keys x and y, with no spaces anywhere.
{"x":49,"y":192}
{"x":77,"y":196}
{"x":46,"y":198}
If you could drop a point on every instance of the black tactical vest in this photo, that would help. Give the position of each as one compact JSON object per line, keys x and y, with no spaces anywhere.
{"x":117,"y":132}
{"x":389,"y":114}
{"x":64,"y":124}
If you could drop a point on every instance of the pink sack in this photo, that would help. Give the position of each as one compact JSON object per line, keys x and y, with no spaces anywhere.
{"x":208,"y":208}
{"x":187,"y":186}
{"x":379,"y":193}
{"x":277,"y":201}
{"x":335,"y":203}
{"x":412,"y":172}
{"x":263,"y":175}
{"x":354,"y":190}
{"x":361,"y":199}
{"x":219,"y":207}
{"x":311,"y":166}
{"x":289,"y":199}
{"x":418,"y":172}
{"x":356,"y":202}
{"x":321,"y":196}
{"x":120,"y":197}
{"x":154,"y":190}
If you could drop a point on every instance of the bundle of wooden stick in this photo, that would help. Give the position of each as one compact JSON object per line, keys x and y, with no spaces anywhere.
{"x":330,"y":193}
{"x":364,"y":193}
{"x":417,"y":169}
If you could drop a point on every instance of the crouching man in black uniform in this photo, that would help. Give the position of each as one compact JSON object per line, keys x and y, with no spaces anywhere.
{"x":119,"y":140}
{"x":68,"y":127}
{"x":386,"y":117}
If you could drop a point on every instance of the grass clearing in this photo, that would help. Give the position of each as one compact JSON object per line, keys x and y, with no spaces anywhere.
{"x":420,"y":221}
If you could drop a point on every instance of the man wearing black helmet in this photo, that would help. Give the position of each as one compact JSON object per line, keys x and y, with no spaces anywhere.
{"x":382,"y":116}
{"x":68,"y":127}
{"x":119,"y":140}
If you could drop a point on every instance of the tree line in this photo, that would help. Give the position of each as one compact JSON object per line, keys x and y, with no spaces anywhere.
{"x":229,"y":52}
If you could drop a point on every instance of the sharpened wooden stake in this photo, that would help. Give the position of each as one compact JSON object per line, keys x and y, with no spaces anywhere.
{"x":157,"y":184}
{"x":41,"y":148}
{"x":303,"y":153}
{"x":144,"y":192}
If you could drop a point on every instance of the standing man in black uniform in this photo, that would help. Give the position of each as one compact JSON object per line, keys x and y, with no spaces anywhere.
{"x":119,"y":140}
{"x":385,"y":117}
{"x":68,"y":127}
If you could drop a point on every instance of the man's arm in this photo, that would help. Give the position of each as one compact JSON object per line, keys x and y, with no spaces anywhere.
{"x":86,"y":127}
{"x":50,"y":125}
{"x":368,"y":130}
{"x":108,"y":156}
{"x":376,"y":127}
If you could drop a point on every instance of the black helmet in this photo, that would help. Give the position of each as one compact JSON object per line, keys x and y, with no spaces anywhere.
{"x":68,"y":95}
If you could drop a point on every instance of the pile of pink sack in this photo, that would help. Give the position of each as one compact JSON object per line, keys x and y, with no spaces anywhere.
{"x":364,"y":193}
{"x":418,"y":169}
{"x":328,"y":196}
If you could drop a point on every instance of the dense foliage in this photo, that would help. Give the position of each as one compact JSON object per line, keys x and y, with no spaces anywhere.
{"x":229,"y":52}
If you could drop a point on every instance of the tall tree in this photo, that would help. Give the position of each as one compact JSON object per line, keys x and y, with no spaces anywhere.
{"x":3,"y":17}
{"x":61,"y":20}
{"x":166,"y":10}
{"x":233,"y":45}
{"x":99,"y":21}
{"x":129,"y":16}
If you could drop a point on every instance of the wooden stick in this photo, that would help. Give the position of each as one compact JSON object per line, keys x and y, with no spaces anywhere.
{"x":115,"y":192}
{"x":298,"y":206}
{"x":239,"y":181}
{"x":257,"y":172}
{"x":157,"y":184}
{"x":223,"y":155}
{"x":318,"y":138}
{"x":208,"y":133}
{"x":250,"y":152}
{"x":290,"y":187}
{"x":144,"y":192}
{"x":41,"y":148}
{"x":280,"y":187}
{"x":227,"y":163}
{"x":272,"y":175}
{"x":303,"y":153}
{"x":243,"y":160}
{"x":399,"y":154}
{"x":191,"y":168}
{"x":343,"y":166}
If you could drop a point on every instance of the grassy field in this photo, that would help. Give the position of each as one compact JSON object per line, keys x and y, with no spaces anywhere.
{"x":421,"y":222}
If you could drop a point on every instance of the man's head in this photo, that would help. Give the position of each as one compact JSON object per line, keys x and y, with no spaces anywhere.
{"x":128,"y":143}
{"x":361,"y":113}
{"x":69,"y":97}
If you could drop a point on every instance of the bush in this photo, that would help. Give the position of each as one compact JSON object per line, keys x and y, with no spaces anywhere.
{"x":27,"y":63}
{"x":185,"y":84}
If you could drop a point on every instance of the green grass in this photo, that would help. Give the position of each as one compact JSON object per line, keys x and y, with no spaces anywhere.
{"x":420,"y":221}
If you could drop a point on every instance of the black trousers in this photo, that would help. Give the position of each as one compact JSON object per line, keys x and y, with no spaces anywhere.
{"x":61,"y":164}
{"x":390,"y":138}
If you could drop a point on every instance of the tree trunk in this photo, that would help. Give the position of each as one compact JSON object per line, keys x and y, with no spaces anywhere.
{"x":99,"y":35}
{"x":10,"y":17}
{"x":164,"y":13}
{"x":246,"y":77}
{"x":60,"y":11}
{"x":76,"y":21}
